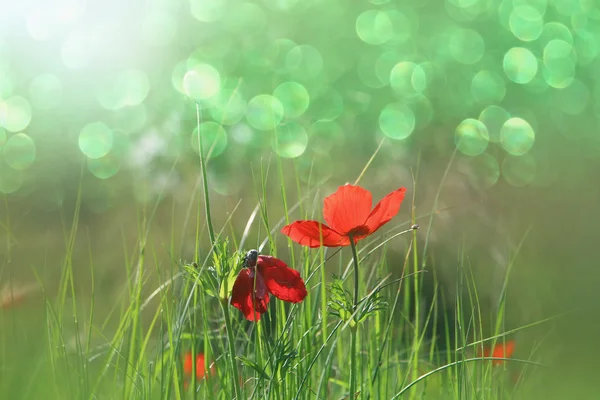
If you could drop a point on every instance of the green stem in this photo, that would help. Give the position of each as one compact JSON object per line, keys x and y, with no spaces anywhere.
{"x":355,"y":258}
{"x":354,"y":325}
{"x":236,"y":375}
{"x":211,"y":231}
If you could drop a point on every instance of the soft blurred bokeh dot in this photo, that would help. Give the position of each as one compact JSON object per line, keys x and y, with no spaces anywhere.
{"x":287,"y":5}
{"x":6,"y":82}
{"x":566,"y":7}
{"x":517,"y":136}
{"x":408,"y":79}
{"x":128,"y":88}
{"x":264,"y":112}
{"x":559,"y":63}
{"x":241,"y":133}
{"x":586,"y":46}
{"x":304,"y":62}
{"x":459,"y":13}
{"x":546,"y":171}
{"x":258,"y":54}
{"x":15,"y":113}
{"x":402,"y":25}
{"x":208,"y":10}
{"x":471,"y":137}
{"x":537,"y":85}
{"x":520,"y":65}
{"x":45,"y":91}
{"x":293,"y":97}
{"x":526,"y":23}
{"x":104,"y":167}
{"x":466,"y":46}
{"x":384,"y":63}
{"x":179,"y":71}
{"x":10,"y":179}
{"x":540,"y":5}
{"x":201,"y":82}
{"x":95,"y":139}
{"x":214,"y":49}
{"x":519,"y":170}
{"x":245,"y":17}
{"x":552,"y":31}
{"x":357,"y":102}
{"x":315,"y":170}
{"x":325,"y":136}
{"x":134,"y":87}
{"x":289,"y":140}
{"x":214,"y":139}
{"x":129,"y":119}
{"x":228,"y":107}
{"x":367,"y":71}
{"x":494,"y":117}
{"x":485,"y":170}
{"x":423,"y":111}
{"x":487,"y":87}
{"x":397,"y":121}
{"x":574,"y":98}
{"x":280,"y":48}
{"x":374,"y":27}
{"x":379,"y":2}
{"x":19,"y":151}
{"x":327,"y":104}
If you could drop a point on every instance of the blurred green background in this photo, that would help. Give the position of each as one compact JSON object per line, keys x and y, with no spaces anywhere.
{"x":101,"y":97}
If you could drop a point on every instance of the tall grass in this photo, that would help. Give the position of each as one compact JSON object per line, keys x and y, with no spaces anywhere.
{"x":360,"y":333}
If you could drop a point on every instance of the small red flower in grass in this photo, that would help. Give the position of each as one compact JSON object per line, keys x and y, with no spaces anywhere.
{"x":188,"y":365}
{"x":500,"y":350}
{"x":272,"y":276}
{"x":11,"y":296}
{"x":347,"y":213}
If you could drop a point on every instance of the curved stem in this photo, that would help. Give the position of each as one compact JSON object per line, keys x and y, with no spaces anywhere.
{"x":354,"y":325}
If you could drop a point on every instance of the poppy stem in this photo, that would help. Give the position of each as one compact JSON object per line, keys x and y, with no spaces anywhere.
{"x":354,"y":324}
{"x":230,"y":339}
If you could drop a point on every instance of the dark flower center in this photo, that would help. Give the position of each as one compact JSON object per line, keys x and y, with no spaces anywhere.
{"x":359,"y":231}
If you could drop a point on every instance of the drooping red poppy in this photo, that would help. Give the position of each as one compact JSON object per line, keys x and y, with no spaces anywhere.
{"x":348,"y":214}
{"x":263,"y":275}
{"x":500,"y":350}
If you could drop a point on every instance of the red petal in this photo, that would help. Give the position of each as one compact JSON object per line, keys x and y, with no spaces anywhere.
{"x":241,"y":295}
{"x":200,"y":365}
{"x":283,"y":282}
{"x":500,"y":351}
{"x":385,"y":210}
{"x":187,"y":364}
{"x":347,"y":208}
{"x":308,"y":233}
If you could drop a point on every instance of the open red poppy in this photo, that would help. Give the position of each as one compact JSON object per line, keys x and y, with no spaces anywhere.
{"x":272,"y":276}
{"x":500,"y":350}
{"x":348,"y":214}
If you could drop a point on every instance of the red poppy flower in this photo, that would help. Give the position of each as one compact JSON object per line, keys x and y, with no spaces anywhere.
{"x":347,"y":213}
{"x":188,"y":364}
{"x":272,"y":276}
{"x":500,"y":350}
{"x":15,"y":295}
